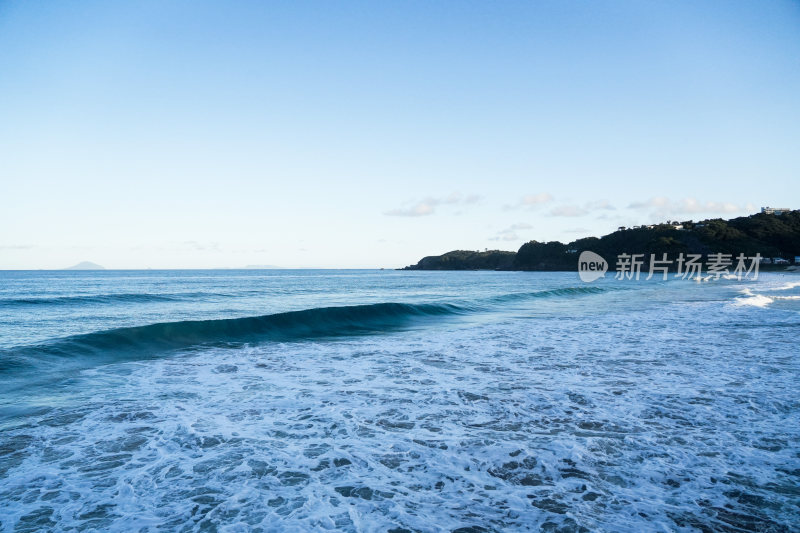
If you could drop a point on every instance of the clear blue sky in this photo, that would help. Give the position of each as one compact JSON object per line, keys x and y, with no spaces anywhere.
{"x":327,"y":134}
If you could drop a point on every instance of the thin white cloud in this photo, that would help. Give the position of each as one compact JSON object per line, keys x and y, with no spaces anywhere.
{"x":537,"y":199}
{"x":600,"y":205}
{"x":531,"y":201}
{"x":658,"y":201}
{"x":665,"y":207}
{"x":568,"y":211}
{"x":608,"y":216}
{"x":419,"y":210}
{"x":520,"y":225}
{"x":510,"y":233}
{"x":572,"y":210}
{"x":428,"y":205}
{"x":200,"y":246}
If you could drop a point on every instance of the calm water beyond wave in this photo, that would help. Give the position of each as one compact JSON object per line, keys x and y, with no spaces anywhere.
{"x":397,"y":401}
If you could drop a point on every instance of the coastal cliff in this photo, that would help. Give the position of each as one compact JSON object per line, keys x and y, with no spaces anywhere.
{"x":467,"y":260}
{"x":771,"y":235}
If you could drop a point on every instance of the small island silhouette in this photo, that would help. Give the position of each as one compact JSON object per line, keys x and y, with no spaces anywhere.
{"x":85,"y":265}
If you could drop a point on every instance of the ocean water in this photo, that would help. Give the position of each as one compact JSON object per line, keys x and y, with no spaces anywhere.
{"x":397,"y":401}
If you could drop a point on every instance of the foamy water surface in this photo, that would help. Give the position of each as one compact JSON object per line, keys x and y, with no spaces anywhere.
{"x":485,"y":402}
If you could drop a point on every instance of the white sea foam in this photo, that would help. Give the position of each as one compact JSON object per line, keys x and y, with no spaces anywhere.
{"x":755,"y":300}
{"x":627,"y":411}
{"x":759,"y":299}
{"x":787,"y":286}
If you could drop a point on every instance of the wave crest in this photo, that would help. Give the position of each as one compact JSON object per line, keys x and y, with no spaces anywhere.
{"x":167,"y":336}
{"x":155,"y":339}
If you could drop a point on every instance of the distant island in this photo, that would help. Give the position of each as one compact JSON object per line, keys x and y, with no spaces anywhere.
{"x":773,"y":234}
{"x":85,"y":265}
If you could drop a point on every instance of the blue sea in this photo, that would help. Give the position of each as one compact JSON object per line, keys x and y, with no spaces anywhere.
{"x":364,"y":400}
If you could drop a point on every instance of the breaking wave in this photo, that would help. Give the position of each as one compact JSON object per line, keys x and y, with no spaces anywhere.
{"x":156,"y":339}
{"x":169,"y":336}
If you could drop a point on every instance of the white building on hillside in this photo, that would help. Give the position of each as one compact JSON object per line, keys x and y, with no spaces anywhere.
{"x":775,"y":210}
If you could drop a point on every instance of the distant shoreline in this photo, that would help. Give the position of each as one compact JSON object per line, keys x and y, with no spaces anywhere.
{"x":769,"y":235}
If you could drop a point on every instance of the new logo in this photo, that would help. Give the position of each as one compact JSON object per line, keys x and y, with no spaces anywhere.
{"x":591,"y":266}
